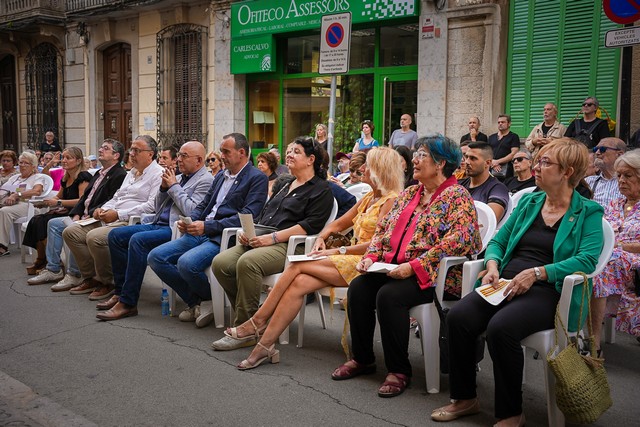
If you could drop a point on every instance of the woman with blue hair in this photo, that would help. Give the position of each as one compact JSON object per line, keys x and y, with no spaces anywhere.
{"x":428,"y":221}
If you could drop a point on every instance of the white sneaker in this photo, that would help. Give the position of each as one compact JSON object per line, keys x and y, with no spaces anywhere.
{"x":67,"y":283}
{"x":206,"y":314}
{"x":46,"y":276}
{"x":189,"y":314}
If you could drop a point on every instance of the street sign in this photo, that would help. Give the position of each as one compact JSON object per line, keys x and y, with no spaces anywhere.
{"x":622,"y":11}
{"x":335,"y":41}
{"x":623,"y":37}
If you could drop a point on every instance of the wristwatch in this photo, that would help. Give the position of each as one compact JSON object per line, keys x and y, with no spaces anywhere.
{"x":59,"y":203}
{"x":342,"y":250}
{"x":538,"y":273}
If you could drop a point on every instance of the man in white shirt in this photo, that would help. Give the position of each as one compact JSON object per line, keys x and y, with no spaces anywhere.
{"x":605,"y":184}
{"x":89,"y":243}
{"x":405,"y":135}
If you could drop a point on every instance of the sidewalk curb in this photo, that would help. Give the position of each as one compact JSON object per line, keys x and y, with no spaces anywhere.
{"x":31,"y":405}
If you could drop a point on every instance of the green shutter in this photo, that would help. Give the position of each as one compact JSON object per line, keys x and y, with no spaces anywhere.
{"x":556,"y":54}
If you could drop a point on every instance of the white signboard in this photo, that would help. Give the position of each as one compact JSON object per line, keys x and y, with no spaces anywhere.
{"x":335,"y":41}
{"x":622,"y":37}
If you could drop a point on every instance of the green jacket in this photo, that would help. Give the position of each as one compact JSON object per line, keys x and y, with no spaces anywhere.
{"x":576,"y":248}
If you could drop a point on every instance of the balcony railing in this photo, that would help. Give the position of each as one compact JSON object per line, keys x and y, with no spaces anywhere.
{"x":86,"y":5}
{"x":18,"y":12}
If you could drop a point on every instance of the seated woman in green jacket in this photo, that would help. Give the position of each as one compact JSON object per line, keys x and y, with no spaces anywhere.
{"x":549,"y":235}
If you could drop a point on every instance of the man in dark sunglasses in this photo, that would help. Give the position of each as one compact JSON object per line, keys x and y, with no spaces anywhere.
{"x":589,"y":129}
{"x":605,"y":184}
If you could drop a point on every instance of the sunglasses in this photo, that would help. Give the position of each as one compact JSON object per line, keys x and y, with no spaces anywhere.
{"x":357,"y":173}
{"x":604,"y":149}
{"x":519,"y":159}
{"x":211,"y":160}
{"x":588,"y":104}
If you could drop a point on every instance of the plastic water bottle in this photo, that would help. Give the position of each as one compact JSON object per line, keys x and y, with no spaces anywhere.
{"x":164,"y":302}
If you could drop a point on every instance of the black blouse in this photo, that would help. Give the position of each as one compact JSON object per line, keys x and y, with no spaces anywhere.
{"x":73,"y":191}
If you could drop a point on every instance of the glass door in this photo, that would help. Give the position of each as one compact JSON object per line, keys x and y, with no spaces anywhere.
{"x":399,"y":96}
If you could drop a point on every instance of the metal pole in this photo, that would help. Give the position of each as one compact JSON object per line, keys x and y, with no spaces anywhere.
{"x":625,"y":93}
{"x":332,"y":115}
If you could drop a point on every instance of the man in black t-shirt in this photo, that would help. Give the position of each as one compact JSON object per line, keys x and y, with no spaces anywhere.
{"x":589,"y":129}
{"x":522,"y":169}
{"x":505,"y":145}
{"x":474,"y":131}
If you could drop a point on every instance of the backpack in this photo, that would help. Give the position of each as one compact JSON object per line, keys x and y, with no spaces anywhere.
{"x":585,"y":135}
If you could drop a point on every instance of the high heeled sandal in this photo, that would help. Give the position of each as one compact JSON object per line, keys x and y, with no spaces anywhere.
{"x":233,"y":332}
{"x":272,"y":354}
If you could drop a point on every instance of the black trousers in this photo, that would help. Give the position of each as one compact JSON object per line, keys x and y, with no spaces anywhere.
{"x":391,"y":299}
{"x":506,"y":325}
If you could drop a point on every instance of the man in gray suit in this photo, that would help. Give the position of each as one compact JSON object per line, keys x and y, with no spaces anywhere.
{"x":129,"y":246}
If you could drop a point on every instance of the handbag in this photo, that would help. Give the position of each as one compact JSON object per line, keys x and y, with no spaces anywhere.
{"x":582,"y":389}
{"x":335,"y":240}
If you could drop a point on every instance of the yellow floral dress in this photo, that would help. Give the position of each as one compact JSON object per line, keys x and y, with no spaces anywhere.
{"x":364,"y":225}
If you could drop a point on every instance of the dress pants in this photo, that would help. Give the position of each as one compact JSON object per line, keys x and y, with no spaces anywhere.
{"x":129,"y":247}
{"x":181,"y":264}
{"x":391,"y":299}
{"x":240,"y":270}
{"x":506,"y":325}
{"x":90,"y":246}
{"x":8,"y":215}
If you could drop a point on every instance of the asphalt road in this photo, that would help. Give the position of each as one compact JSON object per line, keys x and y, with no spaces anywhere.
{"x":60,"y":366}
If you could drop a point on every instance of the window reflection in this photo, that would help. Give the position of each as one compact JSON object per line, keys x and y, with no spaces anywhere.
{"x":399,"y":45}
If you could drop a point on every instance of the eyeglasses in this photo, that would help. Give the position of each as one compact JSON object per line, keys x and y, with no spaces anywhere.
{"x":183,"y":155}
{"x":604,"y":149}
{"x":545,"y":163}
{"x":519,"y":159}
{"x":211,"y":160}
{"x":105,"y":148}
{"x":136,"y":151}
{"x":420,"y":155}
{"x":588,"y":104}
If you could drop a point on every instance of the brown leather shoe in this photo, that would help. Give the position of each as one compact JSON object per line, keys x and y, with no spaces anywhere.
{"x":119,"y":311}
{"x":108,"y":304}
{"x":86,"y":287}
{"x":101,"y":292}
{"x":35,"y":268}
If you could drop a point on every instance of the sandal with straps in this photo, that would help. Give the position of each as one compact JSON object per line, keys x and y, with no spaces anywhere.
{"x":233,"y":332}
{"x":272,"y":354}
{"x":396,"y":386}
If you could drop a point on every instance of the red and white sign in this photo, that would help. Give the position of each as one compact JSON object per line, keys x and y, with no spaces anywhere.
{"x":335,"y":42}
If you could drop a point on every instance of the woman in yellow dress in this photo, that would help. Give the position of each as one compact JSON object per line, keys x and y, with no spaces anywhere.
{"x":384,"y":174}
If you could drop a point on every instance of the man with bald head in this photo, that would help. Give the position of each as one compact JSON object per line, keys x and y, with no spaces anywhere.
{"x":130,"y":246}
{"x":605,"y":184}
{"x":405,"y":135}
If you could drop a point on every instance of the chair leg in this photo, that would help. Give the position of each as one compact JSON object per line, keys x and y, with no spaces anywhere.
{"x":554,"y":414}
{"x":429,"y":323}
{"x":217,"y":299}
{"x":524,"y":365}
{"x":610,"y":329}
{"x":301,"y":316}
{"x":323,"y":318}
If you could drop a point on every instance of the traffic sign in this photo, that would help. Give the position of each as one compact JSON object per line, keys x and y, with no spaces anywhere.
{"x":623,"y":37}
{"x":622,"y":11}
{"x":335,"y":43}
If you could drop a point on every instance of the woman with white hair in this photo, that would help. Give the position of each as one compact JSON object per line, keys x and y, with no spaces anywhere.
{"x":14,"y":195}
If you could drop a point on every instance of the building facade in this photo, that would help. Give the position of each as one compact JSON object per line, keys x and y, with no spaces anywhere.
{"x":177,"y":70}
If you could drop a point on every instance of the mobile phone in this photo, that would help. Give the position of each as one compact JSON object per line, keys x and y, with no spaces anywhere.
{"x":186,"y":219}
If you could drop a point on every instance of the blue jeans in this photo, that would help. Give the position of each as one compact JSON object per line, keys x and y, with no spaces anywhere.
{"x":55,"y":227}
{"x":129,"y":247}
{"x":181,"y":264}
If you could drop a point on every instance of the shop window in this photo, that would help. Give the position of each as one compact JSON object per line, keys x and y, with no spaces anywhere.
{"x":264,"y":120}
{"x":399,"y":45}
{"x":306,"y":103}
{"x":363,"y":48}
{"x":181,"y":71}
{"x":43,"y":71}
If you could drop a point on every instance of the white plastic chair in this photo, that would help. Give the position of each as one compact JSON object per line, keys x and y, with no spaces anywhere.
{"x":507,"y":213}
{"x":20,"y":224}
{"x":543,"y":341}
{"x":515,"y":198}
{"x":359,"y":190}
{"x":269,"y":281}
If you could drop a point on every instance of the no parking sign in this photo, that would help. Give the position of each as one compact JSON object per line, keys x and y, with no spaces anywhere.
{"x":335,"y":41}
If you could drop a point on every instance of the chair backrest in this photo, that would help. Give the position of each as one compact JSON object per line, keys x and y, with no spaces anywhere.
{"x":56,"y":174}
{"x":343,"y":176}
{"x":506,"y":214}
{"x":609,"y":241}
{"x":92,"y":171}
{"x":48,"y":186}
{"x":359,"y":190}
{"x":515,"y":198}
{"x":333,"y":214}
{"x":487,"y":222}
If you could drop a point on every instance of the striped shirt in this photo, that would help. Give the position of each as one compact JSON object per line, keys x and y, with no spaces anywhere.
{"x":604,"y":190}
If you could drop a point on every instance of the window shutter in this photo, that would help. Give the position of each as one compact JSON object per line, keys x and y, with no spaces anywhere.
{"x":557,"y":55}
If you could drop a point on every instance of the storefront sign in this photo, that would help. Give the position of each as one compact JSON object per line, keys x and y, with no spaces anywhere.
{"x":252,"y":55}
{"x":428,"y":28}
{"x":255,"y":17}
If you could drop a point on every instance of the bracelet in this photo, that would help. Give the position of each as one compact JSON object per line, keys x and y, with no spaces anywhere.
{"x":274,"y":236}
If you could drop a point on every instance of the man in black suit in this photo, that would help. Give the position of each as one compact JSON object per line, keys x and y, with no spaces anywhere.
{"x":101,"y":189}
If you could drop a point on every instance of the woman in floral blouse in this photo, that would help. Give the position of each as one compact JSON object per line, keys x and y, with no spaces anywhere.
{"x":428,"y":221}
